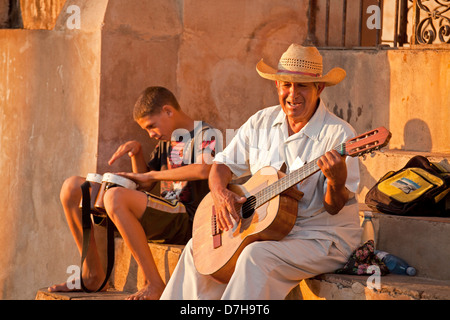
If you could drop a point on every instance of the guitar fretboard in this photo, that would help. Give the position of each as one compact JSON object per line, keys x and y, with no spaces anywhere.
{"x":290,"y":180}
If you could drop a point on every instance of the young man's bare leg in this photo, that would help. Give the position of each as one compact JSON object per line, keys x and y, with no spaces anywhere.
{"x":125,"y":207}
{"x":93,"y":273}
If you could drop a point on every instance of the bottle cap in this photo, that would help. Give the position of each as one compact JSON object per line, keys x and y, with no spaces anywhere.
{"x":368,"y":215}
{"x":411,"y":271}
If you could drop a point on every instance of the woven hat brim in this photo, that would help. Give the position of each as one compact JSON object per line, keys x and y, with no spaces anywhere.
{"x":333,"y":77}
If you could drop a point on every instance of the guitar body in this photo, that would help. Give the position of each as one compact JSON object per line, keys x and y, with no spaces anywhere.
{"x":271,"y":221}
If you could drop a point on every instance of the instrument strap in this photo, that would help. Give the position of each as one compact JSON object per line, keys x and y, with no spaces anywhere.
{"x":87,"y":225}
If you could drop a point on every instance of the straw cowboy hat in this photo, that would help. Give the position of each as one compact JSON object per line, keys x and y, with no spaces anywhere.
{"x":300,"y":64}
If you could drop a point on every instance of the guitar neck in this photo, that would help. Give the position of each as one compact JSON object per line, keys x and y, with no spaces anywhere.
{"x":291,"y":179}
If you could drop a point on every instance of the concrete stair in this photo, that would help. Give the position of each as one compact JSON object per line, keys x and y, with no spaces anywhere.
{"x":417,"y":240}
{"x":422,"y":241}
{"x":353,"y":287}
{"x":126,"y":277}
{"x":111,"y":294}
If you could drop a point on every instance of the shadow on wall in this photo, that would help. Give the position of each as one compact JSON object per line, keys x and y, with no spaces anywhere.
{"x":417,"y":136}
{"x":10,"y":15}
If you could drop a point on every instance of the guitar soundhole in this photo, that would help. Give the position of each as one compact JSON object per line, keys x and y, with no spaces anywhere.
{"x":248,"y":207}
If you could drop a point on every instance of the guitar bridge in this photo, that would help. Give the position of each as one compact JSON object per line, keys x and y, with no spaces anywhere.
{"x":216,"y":233}
{"x":217,"y":240}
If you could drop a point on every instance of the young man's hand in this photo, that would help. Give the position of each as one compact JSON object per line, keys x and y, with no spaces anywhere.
{"x":145,"y":181}
{"x":132,"y":148}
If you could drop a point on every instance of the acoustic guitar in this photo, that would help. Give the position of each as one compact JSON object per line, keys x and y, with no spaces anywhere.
{"x":269,"y":212}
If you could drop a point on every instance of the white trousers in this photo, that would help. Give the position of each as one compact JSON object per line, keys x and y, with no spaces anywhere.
{"x":264,"y":270}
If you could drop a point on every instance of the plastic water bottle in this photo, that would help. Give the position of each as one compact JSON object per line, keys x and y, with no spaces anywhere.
{"x":368,"y":228}
{"x":395,"y":264}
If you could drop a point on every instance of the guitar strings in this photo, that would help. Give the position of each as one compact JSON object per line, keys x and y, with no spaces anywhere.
{"x":281,"y":185}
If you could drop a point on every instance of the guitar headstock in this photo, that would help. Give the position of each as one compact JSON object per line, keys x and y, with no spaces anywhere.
{"x":367,"y":142}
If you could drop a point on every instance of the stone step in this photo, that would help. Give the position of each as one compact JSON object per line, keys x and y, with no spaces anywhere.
{"x":431,"y":281}
{"x":420,"y":241}
{"x":416,"y":240}
{"x":110,"y":294}
{"x":354,"y":287}
{"x":127,"y":279}
{"x":126,"y":275}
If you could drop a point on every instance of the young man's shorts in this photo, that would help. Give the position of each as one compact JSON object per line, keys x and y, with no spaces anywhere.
{"x":166,"y":221}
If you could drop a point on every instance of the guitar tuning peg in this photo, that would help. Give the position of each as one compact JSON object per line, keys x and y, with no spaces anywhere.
{"x":372,"y":154}
{"x":363,"y":157}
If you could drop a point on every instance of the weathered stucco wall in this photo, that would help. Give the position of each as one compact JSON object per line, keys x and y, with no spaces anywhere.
{"x":406,"y":91}
{"x":49,"y":97}
{"x":221,"y":44}
{"x":362,"y":98}
{"x":140,"y":46}
{"x":205,"y":52}
{"x":420,"y":100}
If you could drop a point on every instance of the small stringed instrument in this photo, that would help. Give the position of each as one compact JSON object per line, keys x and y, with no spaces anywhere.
{"x":269,"y":213}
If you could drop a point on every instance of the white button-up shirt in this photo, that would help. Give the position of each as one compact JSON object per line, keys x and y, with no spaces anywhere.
{"x":263,"y":140}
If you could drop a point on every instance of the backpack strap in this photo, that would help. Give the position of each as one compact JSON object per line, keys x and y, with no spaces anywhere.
{"x":87,"y":225}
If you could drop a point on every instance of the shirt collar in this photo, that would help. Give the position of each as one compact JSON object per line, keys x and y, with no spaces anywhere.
{"x":280,"y":119}
{"x":312,"y":128}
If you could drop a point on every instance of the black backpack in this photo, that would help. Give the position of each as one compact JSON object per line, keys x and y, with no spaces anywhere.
{"x":420,"y":188}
